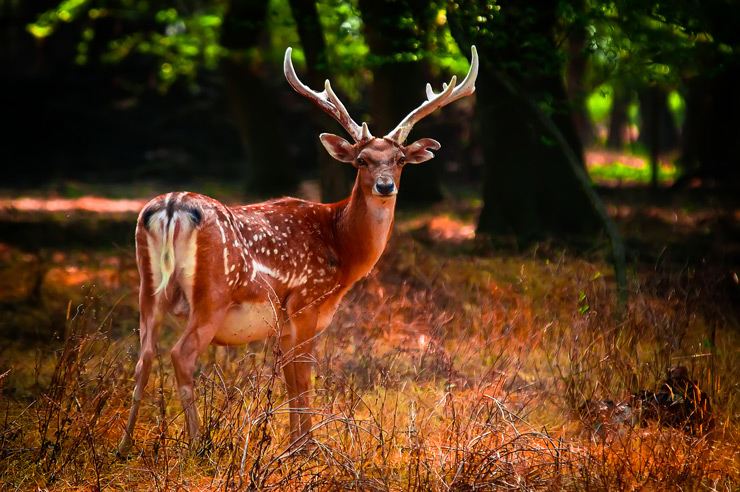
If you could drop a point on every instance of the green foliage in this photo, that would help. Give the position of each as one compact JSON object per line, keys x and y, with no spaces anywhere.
{"x":649,"y":42}
{"x":47,"y":22}
{"x":345,"y":41}
{"x":599,"y":103}
{"x":677,"y":105}
{"x":181,"y":40}
{"x":185,"y":43}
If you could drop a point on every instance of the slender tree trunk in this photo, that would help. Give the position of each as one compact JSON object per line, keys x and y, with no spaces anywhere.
{"x":335,"y":184}
{"x":529,"y":188}
{"x":658,"y":131}
{"x":618,"y":118}
{"x":650,"y":107}
{"x":576,"y":74}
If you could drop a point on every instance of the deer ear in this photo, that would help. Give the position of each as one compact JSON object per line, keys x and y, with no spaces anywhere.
{"x":417,"y":152}
{"x":338,"y":148}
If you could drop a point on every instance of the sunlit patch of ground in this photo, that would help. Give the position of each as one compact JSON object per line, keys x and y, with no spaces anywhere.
{"x":86,"y":203}
{"x":614,"y":168}
{"x":440,"y":227}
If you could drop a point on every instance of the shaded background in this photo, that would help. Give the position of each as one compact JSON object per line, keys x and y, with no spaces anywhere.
{"x":124,"y":91}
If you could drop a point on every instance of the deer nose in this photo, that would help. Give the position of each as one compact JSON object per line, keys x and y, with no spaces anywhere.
{"x":385,"y":186}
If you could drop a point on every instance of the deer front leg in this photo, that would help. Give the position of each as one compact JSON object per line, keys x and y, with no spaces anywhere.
{"x":297,"y":362}
{"x":197,"y":336}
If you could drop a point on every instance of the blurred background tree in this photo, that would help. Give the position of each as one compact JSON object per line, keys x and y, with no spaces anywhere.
{"x":125,"y":90}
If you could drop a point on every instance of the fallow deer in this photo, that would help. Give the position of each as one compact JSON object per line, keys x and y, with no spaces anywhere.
{"x":277,"y":268}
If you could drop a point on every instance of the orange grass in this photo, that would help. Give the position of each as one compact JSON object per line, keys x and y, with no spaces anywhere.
{"x":441,"y":371}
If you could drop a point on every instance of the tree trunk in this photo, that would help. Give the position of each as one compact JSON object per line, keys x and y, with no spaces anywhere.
{"x":576,"y":75}
{"x":658,"y":127}
{"x":651,"y":100}
{"x":333,"y":177}
{"x":618,"y":118}
{"x":398,"y":83}
{"x":254,"y":101}
{"x":711,"y":136}
{"x":530,"y":187}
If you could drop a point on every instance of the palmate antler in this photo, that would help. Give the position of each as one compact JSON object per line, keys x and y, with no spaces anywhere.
{"x":450,"y":92}
{"x":327,"y":100}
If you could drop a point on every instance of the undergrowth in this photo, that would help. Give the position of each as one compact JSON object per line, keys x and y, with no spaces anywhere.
{"x":440,"y":372}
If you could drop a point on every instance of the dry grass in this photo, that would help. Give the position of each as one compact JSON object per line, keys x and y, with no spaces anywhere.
{"x":441,"y":371}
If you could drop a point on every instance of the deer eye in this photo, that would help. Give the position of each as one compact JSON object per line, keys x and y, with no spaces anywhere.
{"x":361,"y":162}
{"x":401,"y":160}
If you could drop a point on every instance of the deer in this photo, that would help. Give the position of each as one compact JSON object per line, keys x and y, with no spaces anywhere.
{"x":279,"y":268}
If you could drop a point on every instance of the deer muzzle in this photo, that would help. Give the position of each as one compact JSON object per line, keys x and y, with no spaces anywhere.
{"x":385,"y":186}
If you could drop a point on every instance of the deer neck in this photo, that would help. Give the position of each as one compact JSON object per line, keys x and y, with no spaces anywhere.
{"x":363,"y":226}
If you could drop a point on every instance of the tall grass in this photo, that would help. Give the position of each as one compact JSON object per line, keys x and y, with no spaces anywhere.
{"x":440,"y":372}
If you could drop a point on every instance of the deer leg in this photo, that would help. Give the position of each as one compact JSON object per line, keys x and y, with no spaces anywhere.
{"x":193,"y":342}
{"x":297,"y":361}
{"x":150,"y":320}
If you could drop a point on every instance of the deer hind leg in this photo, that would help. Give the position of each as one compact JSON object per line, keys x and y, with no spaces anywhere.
{"x":197,"y":336}
{"x":152,"y":309}
{"x":297,"y":362}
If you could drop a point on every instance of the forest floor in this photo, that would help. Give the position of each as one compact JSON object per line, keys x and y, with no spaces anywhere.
{"x":453,"y":366}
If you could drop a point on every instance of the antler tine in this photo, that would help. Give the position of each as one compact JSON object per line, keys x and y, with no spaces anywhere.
{"x":450,"y":92}
{"x":327,"y":100}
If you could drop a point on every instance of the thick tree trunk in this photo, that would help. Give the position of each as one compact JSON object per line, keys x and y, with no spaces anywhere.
{"x":254,"y":102}
{"x":530,"y":188}
{"x":335,"y":184}
{"x":711,"y":135}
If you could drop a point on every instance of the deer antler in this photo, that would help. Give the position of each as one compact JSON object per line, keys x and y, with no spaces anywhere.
{"x":327,"y":100}
{"x":435,"y":101}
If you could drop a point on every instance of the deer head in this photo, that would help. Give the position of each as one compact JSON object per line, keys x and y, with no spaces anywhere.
{"x":379,"y":161}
